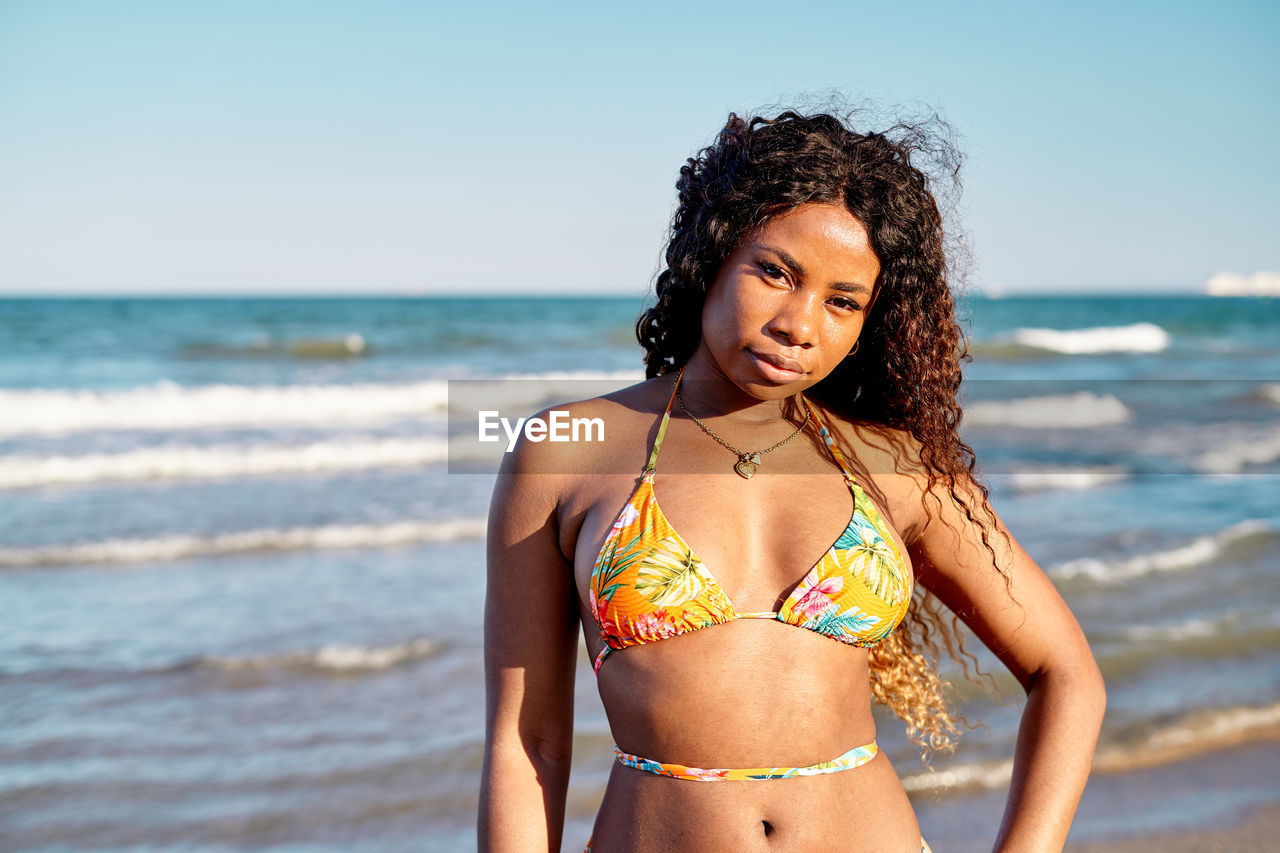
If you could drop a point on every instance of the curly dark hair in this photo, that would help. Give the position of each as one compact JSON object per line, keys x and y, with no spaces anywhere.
{"x":907,"y":373}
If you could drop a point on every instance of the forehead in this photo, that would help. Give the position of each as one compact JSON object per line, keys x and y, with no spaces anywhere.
{"x":822,"y":236}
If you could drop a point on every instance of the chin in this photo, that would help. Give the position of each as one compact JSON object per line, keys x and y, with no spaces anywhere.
{"x":771,"y":389}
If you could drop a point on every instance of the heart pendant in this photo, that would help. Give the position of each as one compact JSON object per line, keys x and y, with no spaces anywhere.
{"x":745,"y":469}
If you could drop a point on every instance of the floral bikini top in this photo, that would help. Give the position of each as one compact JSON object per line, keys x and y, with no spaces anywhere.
{"x":648,"y":585}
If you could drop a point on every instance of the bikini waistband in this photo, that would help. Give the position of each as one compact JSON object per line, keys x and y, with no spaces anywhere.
{"x":855,"y":757}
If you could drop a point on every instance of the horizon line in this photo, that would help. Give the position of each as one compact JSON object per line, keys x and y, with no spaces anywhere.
{"x":994,"y":294}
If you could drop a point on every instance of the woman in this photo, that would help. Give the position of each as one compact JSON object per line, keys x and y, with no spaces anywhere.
{"x":803,"y":325}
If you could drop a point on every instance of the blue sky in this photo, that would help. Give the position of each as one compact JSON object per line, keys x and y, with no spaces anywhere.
{"x":395,"y":147}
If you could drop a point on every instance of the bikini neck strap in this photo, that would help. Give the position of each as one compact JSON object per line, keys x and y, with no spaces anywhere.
{"x":652,"y":467}
{"x":827,"y":437}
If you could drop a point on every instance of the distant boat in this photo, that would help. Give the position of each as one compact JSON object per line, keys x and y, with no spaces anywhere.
{"x":1230,"y":284}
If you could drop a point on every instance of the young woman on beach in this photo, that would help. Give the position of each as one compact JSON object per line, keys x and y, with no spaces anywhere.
{"x":804,"y":325}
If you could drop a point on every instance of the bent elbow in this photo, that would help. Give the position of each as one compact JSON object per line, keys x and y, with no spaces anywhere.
{"x":552,"y":753}
{"x":1089,"y":692}
{"x":1098,"y":692}
{"x":1078,"y":685}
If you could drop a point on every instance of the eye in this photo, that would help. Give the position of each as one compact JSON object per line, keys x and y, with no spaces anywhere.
{"x":845,"y":304}
{"x":772,"y":270}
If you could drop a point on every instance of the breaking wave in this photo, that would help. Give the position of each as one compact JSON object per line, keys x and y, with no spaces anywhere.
{"x":1201,"y":551}
{"x":167,"y":406}
{"x":189,"y":462}
{"x":1061,"y":411}
{"x":332,"y":657}
{"x":1236,"y":456}
{"x":1192,"y":734}
{"x":1043,"y":479}
{"x":1139,"y":337}
{"x":267,"y":539}
{"x":1270,"y":392}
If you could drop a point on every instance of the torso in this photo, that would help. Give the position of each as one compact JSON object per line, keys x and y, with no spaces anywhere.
{"x":747,"y":693}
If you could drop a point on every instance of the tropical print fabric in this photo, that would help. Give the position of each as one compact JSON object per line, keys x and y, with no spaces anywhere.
{"x":855,"y":757}
{"x":648,"y":585}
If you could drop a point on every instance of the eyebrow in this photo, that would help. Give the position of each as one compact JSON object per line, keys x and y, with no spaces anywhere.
{"x":846,"y":286}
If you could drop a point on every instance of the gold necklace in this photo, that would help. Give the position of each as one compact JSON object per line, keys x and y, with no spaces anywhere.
{"x":748,"y":461}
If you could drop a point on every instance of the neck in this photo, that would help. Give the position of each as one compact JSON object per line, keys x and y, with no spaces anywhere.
{"x":708,"y":392}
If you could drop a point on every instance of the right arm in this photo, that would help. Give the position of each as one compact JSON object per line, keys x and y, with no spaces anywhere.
{"x":530,"y":654}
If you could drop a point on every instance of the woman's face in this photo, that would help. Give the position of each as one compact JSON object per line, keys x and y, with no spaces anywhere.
{"x":790,"y":301}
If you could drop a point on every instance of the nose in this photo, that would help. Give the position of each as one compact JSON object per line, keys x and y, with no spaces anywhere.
{"x":796,"y":319}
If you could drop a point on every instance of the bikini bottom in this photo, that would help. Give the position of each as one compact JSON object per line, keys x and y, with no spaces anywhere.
{"x":855,"y":757}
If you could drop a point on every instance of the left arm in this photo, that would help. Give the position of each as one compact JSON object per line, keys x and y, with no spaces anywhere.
{"x":1025,"y":622}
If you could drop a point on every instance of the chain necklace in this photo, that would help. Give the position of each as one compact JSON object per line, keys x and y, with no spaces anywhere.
{"x":748,"y":461}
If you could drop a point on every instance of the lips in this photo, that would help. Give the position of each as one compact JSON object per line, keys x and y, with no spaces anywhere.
{"x":781,"y":362}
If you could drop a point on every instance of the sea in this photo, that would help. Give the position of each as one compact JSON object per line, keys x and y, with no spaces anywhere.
{"x":242,"y":580}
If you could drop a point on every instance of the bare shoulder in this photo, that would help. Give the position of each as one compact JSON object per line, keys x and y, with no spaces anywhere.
{"x":563,"y":447}
{"x":891,"y":460}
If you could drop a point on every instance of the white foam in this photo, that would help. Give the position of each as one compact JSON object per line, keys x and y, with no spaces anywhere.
{"x":1199,"y":731}
{"x":188,"y":462}
{"x":335,"y":657}
{"x":1270,"y":392}
{"x":266,"y":539}
{"x":1139,"y":337}
{"x":522,"y":393}
{"x":600,"y":375}
{"x":1080,"y":410}
{"x":1039,"y":479}
{"x":1217,"y":725}
{"x":988,"y":775}
{"x":1198,"y":552}
{"x":1236,"y":456}
{"x":1260,"y":283}
{"x":168,"y":406}
{"x":1190,"y":629}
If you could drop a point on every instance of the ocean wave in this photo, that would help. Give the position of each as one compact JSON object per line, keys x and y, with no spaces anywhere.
{"x":1041,"y":479}
{"x":593,"y":375}
{"x":339,"y":658}
{"x":1138,"y":648}
{"x":1004,"y":349}
{"x":1142,"y":648}
{"x":525,"y":393}
{"x":1201,"y":551}
{"x":982,"y":774}
{"x":1139,"y":337}
{"x":1195,"y":733}
{"x":333,"y":657}
{"x":1186,"y":736}
{"x":1061,"y":411}
{"x":1188,"y":629}
{"x":1260,"y":283}
{"x":189,"y":462}
{"x":347,"y":346}
{"x":1236,"y":456}
{"x":1216,"y":726}
{"x":167,"y":406}
{"x":1270,"y":392}
{"x":267,"y":539}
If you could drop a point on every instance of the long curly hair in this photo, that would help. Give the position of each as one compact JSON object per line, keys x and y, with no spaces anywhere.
{"x":907,"y":373}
